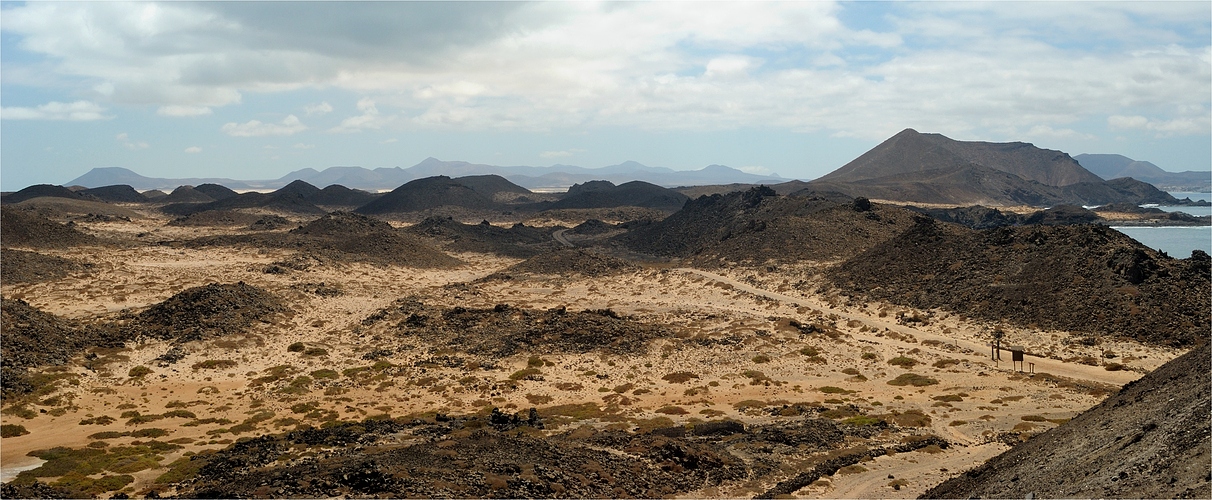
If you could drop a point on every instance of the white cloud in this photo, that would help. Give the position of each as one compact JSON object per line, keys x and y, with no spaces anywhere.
{"x":254,"y":128}
{"x":962,"y":68}
{"x":1188,"y":125}
{"x":318,"y":109}
{"x":304,"y":146}
{"x":389,"y":141}
{"x":126,"y":142}
{"x":79,"y":111}
{"x":186,"y":111}
{"x":368,"y":120}
{"x":193,"y":150}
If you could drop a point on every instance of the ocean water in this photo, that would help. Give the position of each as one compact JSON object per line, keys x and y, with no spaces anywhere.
{"x":1178,"y":242}
{"x":1196,"y":211}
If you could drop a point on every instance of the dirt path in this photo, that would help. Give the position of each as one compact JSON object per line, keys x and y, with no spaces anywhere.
{"x":559,"y":236}
{"x":1052,"y":366}
{"x":920,"y":470}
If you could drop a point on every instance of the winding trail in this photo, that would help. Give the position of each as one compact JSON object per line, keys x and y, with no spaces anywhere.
{"x":559,"y":236}
{"x":1051,"y":366}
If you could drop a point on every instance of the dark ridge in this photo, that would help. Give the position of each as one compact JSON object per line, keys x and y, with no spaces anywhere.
{"x":912,"y":152}
{"x":34,"y":338}
{"x":208,"y":311}
{"x":519,"y":241}
{"x":297,"y":188}
{"x":39,"y":190}
{"x":120,"y":193}
{"x":425,"y":194}
{"x":19,"y":228}
{"x":186,"y":194}
{"x":337,"y":195}
{"x":572,"y":261}
{"x":491,"y":185}
{"x":18,"y":266}
{"x":757,"y":226}
{"x":215,"y":218}
{"x":604,"y":194}
{"x":216,"y":191}
{"x":1150,"y":440}
{"x":346,"y":237}
{"x":930,"y":168}
{"x":1062,"y":215}
{"x":592,"y":227}
{"x":974,"y":217}
{"x":1087,"y":278}
{"x":154,"y":195}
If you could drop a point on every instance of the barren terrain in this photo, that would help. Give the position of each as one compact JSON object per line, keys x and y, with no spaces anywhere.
{"x":606,"y":352}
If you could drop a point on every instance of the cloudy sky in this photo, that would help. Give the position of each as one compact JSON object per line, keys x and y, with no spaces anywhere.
{"x":255,"y":90}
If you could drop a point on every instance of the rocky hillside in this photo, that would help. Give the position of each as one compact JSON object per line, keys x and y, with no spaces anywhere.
{"x":1151,"y":440}
{"x":1086,"y":278}
{"x":758,"y":225}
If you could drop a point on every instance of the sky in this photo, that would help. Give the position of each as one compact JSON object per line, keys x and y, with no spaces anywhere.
{"x":254,"y":90}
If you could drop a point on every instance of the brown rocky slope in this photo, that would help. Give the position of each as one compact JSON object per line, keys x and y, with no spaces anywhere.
{"x":1151,"y":440}
{"x":1084,"y":278}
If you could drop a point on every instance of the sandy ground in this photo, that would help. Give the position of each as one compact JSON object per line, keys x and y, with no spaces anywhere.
{"x":973,"y":402}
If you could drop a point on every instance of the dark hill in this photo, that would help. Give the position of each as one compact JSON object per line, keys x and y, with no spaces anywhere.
{"x":758,"y":225}
{"x":604,"y":194}
{"x":208,"y":311}
{"x":491,"y":185}
{"x":1151,"y":440}
{"x":931,"y":168}
{"x":35,"y":338}
{"x":518,"y":241}
{"x":911,"y":151}
{"x":572,"y":261}
{"x":186,"y":194}
{"x":120,"y":193}
{"x":19,"y":228}
{"x":362,"y":238}
{"x":426,"y":194}
{"x":1088,"y":279}
{"x":39,"y":190}
{"x":18,"y":266}
{"x":216,"y":191}
{"x":337,"y":195}
{"x":297,"y":188}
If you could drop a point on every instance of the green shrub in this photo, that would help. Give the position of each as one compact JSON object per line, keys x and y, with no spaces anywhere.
{"x":912,"y":379}
{"x":296,"y":347}
{"x":139,"y":371}
{"x":903,"y":361}
{"x":12,"y":430}
{"x":214,"y":364}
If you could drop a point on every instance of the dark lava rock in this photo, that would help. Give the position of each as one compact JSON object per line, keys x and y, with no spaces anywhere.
{"x":344,"y":236}
{"x":19,"y":266}
{"x":592,"y":227}
{"x":208,"y":311}
{"x":33,"y":490}
{"x":1151,"y":440}
{"x":572,"y":261}
{"x":757,"y":226}
{"x":269,"y":223}
{"x":19,"y":228}
{"x":1086,"y":278}
{"x":41,"y":190}
{"x":504,"y":331}
{"x":120,"y":193}
{"x":215,"y":218}
{"x":520,"y":240}
{"x":35,"y":338}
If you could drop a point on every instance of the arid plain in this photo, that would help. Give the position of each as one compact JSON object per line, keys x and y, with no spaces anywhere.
{"x":660,"y":347}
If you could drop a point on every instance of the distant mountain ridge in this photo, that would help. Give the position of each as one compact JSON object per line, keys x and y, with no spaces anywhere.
{"x":1111,"y":166}
{"x":381,"y":179}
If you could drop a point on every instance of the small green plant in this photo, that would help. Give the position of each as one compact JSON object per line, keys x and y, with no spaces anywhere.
{"x":325,"y":374}
{"x":214,"y":364}
{"x":903,"y":361}
{"x":869,"y":356}
{"x":525,"y":373}
{"x":761,"y":358}
{"x":912,"y":379}
{"x":679,"y":377}
{"x":139,"y":371}
{"x":12,"y":430}
{"x":315,"y":351}
{"x":861,"y":420}
{"x":296,"y":347}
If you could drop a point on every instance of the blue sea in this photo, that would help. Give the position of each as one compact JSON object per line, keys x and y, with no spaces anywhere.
{"x":1178,"y":242}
